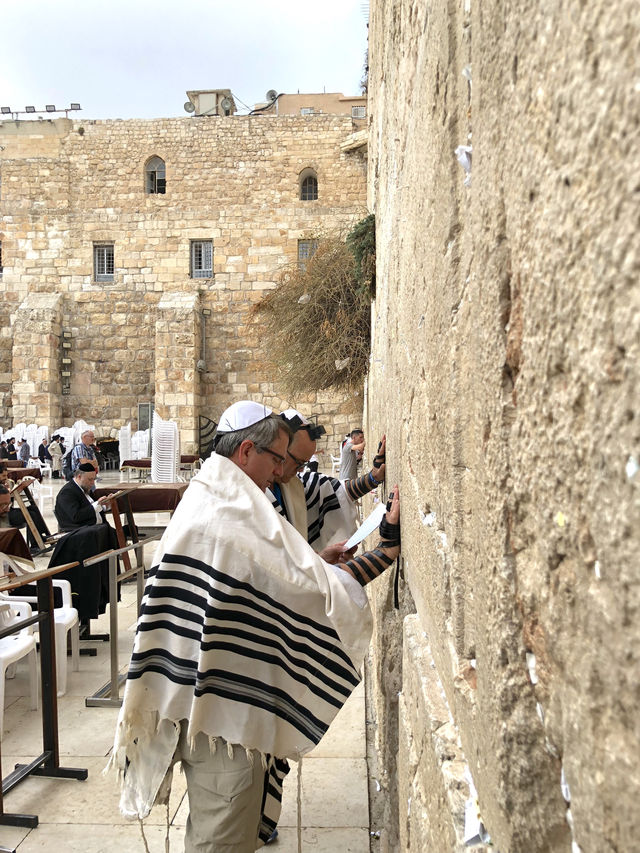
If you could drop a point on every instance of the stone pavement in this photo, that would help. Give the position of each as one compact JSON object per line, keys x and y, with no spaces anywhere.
{"x":325,"y":806}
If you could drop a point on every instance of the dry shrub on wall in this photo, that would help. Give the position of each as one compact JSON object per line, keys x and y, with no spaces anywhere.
{"x":318,"y":321}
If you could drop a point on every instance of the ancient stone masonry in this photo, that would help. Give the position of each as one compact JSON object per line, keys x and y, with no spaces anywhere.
{"x":74,"y":189}
{"x":506,"y":334}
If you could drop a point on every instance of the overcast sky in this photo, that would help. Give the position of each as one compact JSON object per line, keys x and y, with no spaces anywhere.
{"x":137,"y":58}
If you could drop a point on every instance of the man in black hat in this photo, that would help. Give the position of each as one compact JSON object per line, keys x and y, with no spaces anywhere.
{"x":89,"y":534}
{"x":74,"y":505}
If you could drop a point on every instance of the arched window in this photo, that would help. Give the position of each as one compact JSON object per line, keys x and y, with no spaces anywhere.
{"x":155,"y":173}
{"x":308,"y":185}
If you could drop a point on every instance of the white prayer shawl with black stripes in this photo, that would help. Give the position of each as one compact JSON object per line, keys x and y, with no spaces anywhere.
{"x":331,"y":514}
{"x":244,"y":631}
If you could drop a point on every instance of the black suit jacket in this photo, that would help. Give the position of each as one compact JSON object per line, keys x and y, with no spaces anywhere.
{"x":72,"y":509}
{"x":90,"y":586}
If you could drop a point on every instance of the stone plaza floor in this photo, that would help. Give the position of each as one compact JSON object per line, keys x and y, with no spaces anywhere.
{"x":325,"y":805}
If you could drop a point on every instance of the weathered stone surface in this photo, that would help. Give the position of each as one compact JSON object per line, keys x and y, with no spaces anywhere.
{"x":233,"y":181}
{"x":35,"y":379}
{"x":506,"y":336}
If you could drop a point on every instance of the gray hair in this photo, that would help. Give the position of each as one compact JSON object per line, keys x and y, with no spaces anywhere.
{"x":261,"y":434}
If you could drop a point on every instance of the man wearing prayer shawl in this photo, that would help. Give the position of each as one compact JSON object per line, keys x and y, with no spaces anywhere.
{"x":247,"y":645}
{"x":321,"y":508}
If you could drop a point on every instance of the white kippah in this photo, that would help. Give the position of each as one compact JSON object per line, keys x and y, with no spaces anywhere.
{"x":292,"y":413}
{"x":243,"y":414}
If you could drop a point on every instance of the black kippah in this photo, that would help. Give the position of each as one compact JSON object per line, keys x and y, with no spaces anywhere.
{"x":85,"y":466}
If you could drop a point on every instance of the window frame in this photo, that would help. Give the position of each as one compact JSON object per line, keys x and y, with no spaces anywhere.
{"x":358,"y":108}
{"x":305,"y":195}
{"x":151,"y":180}
{"x":104,"y":277}
{"x":311,"y":244}
{"x":303,"y":177}
{"x":200,"y":272}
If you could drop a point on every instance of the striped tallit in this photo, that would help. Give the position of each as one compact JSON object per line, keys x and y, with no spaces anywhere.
{"x":244,"y":632}
{"x":331,"y":514}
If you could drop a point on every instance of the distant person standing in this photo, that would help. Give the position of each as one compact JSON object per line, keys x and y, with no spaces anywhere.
{"x":55,"y":452}
{"x":43,"y":452}
{"x":351,"y":454}
{"x":12,"y":454}
{"x":84,"y":452}
{"x":24,"y":452}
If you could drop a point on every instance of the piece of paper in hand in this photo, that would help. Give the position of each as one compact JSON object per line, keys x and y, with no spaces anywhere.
{"x":370,"y":524}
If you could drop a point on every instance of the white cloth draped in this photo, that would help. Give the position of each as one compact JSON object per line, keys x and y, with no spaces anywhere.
{"x":244,"y":632}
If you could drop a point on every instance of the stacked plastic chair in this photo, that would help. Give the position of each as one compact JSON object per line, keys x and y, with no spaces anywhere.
{"x":67,"y":436}
{"x":16,"y":432}
{"x":79,"y":427}
{"x":124,"y":443}
{"x":31,"y":436}
{"x":165,"y":451}
{"x":140,"y":444}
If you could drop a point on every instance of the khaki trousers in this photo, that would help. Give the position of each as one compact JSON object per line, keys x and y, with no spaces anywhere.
{"x":225,"y":796}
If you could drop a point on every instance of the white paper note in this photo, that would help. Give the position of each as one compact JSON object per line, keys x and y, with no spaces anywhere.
{"x":370,"y":524}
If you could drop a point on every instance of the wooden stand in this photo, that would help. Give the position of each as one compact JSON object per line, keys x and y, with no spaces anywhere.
{"x":33,"y":517}
{"x":123,"y":495}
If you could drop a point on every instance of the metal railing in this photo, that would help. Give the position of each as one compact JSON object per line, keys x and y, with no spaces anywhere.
{"x":109,"y":694}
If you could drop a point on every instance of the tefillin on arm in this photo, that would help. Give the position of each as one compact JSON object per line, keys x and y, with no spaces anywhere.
{"x":360,"y":486}
{"x":371,"y":564}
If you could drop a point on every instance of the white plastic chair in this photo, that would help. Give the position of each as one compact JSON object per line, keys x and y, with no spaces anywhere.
{"x":39,"y":490}
{"x":17,"y":646}
{"x":45,"y":467}
{"x":335,"y":465}
{"x":66,"y":621}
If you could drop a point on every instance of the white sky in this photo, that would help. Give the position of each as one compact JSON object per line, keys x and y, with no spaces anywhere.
{"x":137,"y":58}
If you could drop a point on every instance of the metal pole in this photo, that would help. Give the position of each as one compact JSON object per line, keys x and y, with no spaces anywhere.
{"x":113,"y":624}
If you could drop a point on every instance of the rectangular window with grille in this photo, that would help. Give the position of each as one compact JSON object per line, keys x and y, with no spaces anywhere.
{"x":201,"y":259}
{"x":306,"y":250}
{"x":358,"y":112}
{"x":103,"y":261}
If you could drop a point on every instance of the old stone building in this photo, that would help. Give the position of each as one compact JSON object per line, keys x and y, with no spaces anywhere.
{"x":133,"y":253}
{"x":506,"y":335}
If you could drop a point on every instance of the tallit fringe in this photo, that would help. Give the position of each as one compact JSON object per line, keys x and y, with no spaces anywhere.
{"x":144,"y":837}
{"x":166,"y":838}
{"x":138,"y":728}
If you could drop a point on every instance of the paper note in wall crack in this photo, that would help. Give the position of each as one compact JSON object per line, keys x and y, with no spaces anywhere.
{"x":371,"y":523}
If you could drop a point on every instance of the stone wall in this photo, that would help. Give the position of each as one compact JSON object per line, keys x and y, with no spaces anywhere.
{"x":506,"y":336}
{"x":36,"y":369}
{"x":232,"y":180}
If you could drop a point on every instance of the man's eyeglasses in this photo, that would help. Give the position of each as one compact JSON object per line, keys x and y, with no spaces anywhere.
{"x":279,"y":460}
{"x":299,"y":463}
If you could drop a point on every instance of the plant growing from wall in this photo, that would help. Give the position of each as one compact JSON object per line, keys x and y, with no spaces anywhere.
{"x":362,"y":242}
{"x":317,"y":319}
